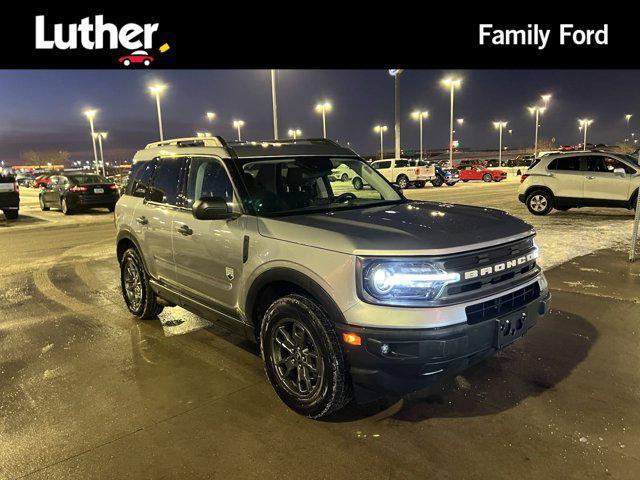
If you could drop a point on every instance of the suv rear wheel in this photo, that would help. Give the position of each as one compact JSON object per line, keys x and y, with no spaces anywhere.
{"x":141,"y":300}
{"x":402,"y":181}
{"x":539,"y":202}
{"x":303,"y":358}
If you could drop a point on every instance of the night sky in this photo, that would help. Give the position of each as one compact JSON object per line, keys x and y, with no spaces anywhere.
{"x":42,"y":110}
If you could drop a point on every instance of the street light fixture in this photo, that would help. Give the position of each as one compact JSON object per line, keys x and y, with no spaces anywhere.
{"x":500,"y":125}
{"x":451,"y":83}
{"x":545,"y":98}
{"x":101,"y":136}
{"x":584,"y":123}
{"x":238,"y":124}
{"x":203,"y":134}
{"x":536,"y":110}
{"x":90,"y":114}
{"x":381,"y":129}
{"x":420,"y":115}
{"x":156,"y":90}
{"x":460,"y":121}
{"x":323,"y":108}
{"x":295,"y":133}
{"x":211,"y":116}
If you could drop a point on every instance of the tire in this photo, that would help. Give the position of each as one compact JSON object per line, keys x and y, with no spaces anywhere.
{"x":64,"y":207}
{"x":357,"y":183}
{"x":402,"y":181}
{"x":43,"y":207}
{"x":344,"y":177}
{"x":141,"y":300}
{"x":487,"y":177}
{"x":10,"y":214}
{"x":419,"y":184}
{"x":451,"y":184}
{"x":539,"y":202}
{"x":331,"y":389}
{"x":438,"y":181}
{"x":465,"y":181}
{"x":127,"y":62}
{"x":146,"y":63}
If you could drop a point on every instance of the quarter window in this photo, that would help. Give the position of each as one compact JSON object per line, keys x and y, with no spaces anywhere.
{"x":380,"y":165}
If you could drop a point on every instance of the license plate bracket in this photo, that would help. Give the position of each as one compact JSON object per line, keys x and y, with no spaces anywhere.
{"x":510,"y":328}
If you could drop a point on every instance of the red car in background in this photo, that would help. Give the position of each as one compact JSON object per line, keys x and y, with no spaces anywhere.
{"x":478,"y":172}
{"x":42,"y":181}
{"x":139,"y":56}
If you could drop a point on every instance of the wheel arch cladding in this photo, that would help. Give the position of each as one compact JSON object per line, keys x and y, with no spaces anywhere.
{"x":281,"y":281}
{"x":536,"y":188}
{"x":125,"y":241}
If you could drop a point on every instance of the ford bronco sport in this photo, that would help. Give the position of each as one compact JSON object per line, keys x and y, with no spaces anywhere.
{"x":348,"y":292}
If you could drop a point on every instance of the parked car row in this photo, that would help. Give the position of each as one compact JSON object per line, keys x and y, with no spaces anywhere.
{"x":70,"y":193}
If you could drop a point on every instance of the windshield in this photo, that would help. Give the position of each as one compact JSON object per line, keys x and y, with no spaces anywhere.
{"x":87,"y":179}
{"x":312,"y":184}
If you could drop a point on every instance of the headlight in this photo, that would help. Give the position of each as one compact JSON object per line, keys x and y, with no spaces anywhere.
{"x":400,"y":282}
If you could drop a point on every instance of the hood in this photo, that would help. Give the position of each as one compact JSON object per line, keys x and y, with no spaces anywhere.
{"x":412,"y":228}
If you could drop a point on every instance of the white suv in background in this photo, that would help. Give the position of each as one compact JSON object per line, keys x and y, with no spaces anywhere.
{"x":405,"y":172}
{"x":580,"y":179}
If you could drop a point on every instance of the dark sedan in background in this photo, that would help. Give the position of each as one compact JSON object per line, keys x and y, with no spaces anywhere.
{"x":9,"y":196}
{"x":73,"y":192}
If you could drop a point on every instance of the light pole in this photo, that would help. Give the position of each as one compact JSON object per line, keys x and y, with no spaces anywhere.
{"x":500,"y":125}
{"x":275,"y":104}
{"x":395,"y":73}
{"x":156,"y":90}
{"x":627,"y":117}
{"x":238,"y":124}
{"x":90,"y":114}
{"x":381,"y":129}
{"x":101,"y":136}
{"x":584,"y":123}
{"x":420,"y":115}
{"x":536,"y":110}
{"x":323,"y":108}
{"x":295,"y":133}
{"x":451,"y":83}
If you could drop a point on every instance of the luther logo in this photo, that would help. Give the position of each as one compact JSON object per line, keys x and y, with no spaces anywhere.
{"x":95,"y":34}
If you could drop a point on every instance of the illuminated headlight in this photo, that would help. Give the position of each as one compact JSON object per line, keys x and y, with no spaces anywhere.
{"x":394,"y":282}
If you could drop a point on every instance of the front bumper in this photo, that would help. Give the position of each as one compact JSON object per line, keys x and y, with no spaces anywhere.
{"x":400,"y":361}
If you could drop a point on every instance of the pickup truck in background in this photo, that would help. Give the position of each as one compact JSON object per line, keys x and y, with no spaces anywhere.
{"x":9,"y":196}
{"x":405,"y":172}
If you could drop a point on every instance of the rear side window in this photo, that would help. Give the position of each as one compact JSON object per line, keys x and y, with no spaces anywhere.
{"x":379,"y":165}
{"x":571,"y":164}
{"x":166,"y":180}
{"x":401,"y":163}
{"x":140,"y":178}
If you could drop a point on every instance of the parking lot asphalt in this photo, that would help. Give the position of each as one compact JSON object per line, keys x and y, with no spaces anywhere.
{"x":90,"y":392}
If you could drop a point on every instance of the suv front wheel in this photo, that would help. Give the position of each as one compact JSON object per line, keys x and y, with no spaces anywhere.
{"x":303,"y":358}
{"x":539,"y":202}
{"x":141,"y":300}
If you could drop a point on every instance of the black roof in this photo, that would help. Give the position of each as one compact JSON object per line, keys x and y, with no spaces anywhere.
{"x":298,"y":147}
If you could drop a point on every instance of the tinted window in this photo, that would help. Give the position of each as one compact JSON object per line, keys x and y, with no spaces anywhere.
{"x":140,"y":178}
{"x":401,"y":163}
{"x":166,"y":179}
{"x":565,"y":164}
{"x":87,"y":179}
{"x":208,"y":178}
{"x":379,"y":165}
{"x":610,"y":164}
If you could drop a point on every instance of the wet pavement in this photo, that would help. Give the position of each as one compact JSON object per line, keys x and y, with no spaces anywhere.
{"x":90,"y":392}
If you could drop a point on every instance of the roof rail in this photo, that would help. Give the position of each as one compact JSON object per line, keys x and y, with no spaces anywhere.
{"x":286,"y":141}
{"x":215,"y":141}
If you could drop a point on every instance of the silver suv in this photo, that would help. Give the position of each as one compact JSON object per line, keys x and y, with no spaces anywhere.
{"x":348,"y":292}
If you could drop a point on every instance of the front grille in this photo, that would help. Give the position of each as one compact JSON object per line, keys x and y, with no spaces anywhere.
{"x":502,"y":305}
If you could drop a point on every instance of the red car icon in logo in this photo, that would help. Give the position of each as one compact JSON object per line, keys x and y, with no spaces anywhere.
{"x":139,"y":56}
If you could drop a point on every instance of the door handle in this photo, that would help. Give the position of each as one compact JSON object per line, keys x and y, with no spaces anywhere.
{"x":142,"y":220}
{"x":185,"y":230}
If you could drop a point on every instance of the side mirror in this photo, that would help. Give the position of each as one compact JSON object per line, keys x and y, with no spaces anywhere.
{"x":211,"y":208}
{"x":154,"y":195}
{"x":397,"y":188}
{"x":619,"y":171}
